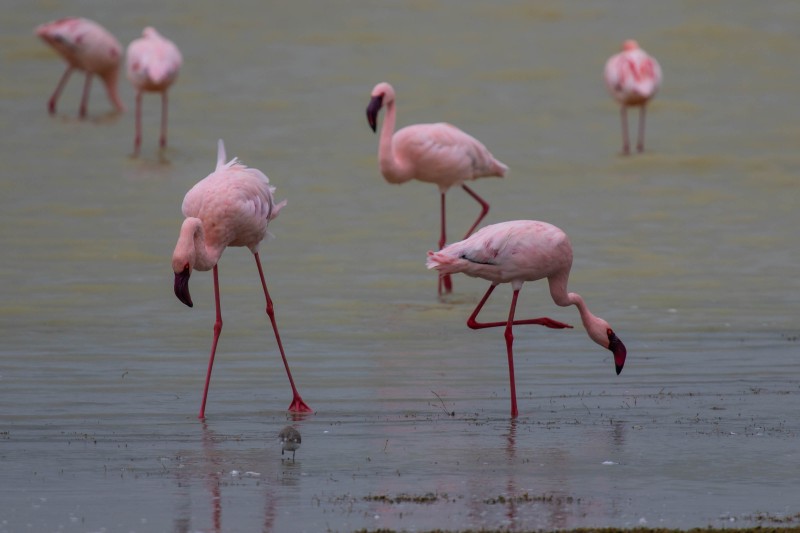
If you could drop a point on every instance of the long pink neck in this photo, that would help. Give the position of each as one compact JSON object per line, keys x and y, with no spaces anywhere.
{"x":391,"y":168}
{"x":110,"y":81}
{"x":192,"y":242}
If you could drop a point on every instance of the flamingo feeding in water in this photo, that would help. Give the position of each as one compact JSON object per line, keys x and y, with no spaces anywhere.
{"x":87,"y":46}
{"x":153,"y":63}
{"x":232,"y":206}
{"x":434,"y":153}
{"x":633,"y":78}
{"x":515,"y":252}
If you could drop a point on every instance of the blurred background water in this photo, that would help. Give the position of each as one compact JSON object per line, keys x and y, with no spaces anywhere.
{"x":689,"y":251}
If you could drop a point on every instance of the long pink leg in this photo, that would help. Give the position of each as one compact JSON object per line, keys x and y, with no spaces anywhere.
{"x":51,"y":104}
{"x":640,"y":143}
{"x":626,"y":146}
{"x":297,"y":405}
{"x":484,"y":209}
{"x":163,"y":141}
{"x":444,"y":279}
{"x":509,"y":336}
{"x":137,"y":139}
{"x":85,"y":98}
{"x":217,"y":331}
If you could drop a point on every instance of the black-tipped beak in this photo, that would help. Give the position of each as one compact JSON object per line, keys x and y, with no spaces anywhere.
{"x":182,"y":286}
{"x":372,"y":111}
{"x":618,"y":349}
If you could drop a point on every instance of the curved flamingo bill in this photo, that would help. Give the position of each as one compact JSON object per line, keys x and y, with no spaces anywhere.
{"x":372,"y":111}
{"x":618,"y":349}
{"x":182,"y":286}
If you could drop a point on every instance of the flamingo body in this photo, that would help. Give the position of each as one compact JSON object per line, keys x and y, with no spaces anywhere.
{"x":232,"y":206}
{"x":633,"y":78}
{"x":153,"y":63}
{"x":438,"y":153}
{"x":515,"y":252}
{"x":86,"y":46}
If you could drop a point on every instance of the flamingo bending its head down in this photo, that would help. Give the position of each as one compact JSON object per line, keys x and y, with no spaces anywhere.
{"x":232,"y":206}
{"x":153,"y":63}
{"x":87,"y":46}
{"x":434,"y":153}
{"x":515,"y":252}
{"x":633,"y":78}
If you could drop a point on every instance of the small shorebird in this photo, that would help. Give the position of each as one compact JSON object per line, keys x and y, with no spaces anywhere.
{"x":290,"y":440}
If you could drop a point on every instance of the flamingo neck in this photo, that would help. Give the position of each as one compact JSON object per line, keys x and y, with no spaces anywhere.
{"x":390,"y":167}
{"x":192,"y":247}
{"x":595,"y":327}
{"x":110,"y":81}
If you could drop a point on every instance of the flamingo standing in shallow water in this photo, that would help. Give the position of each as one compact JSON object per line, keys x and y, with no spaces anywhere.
{"x":153,"y":63}
{"x":232,"y":206}
{"x":434,"y":153}
{"x":633,"y":78}
{"x":85,"y":45}
{"x":516,"y":252}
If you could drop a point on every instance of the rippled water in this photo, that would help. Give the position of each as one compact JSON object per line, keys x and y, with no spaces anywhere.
{"x":689,"y":250}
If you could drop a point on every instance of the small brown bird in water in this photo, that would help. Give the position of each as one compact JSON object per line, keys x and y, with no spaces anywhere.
{"x":290,"y":440}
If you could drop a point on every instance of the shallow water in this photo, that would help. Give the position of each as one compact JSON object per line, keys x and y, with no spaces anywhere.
{"x":689,"y":250}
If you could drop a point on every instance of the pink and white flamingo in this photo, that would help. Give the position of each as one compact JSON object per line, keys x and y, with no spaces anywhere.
{"x":633,"y":77}
{"x":87,"y":46}
{"x":153,"y":63}
{"x":515,"y":252}
{"x":232,"y":206}
{"x":434,"y":153}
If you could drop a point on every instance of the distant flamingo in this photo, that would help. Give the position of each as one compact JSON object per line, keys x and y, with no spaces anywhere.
{"x":434,"y":153}
{"x":232,"y":206}
{"x":153,"y":63}
{"x":515,"y":252}
{"x":85,"y":45}
{"x":633,"y":78}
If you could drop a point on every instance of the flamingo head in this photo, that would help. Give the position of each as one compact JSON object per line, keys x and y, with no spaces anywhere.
{"x":382,"y":94}
{"x":618,"y":349}
{"x":630,"y":44}
{"x":182,"y":284}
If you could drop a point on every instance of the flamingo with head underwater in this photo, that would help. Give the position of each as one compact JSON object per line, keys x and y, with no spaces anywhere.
{"x":515,"y":252}
{"x":633,"y":78}
{"x":87,"y":46}
{"x":232,"y":206}
{"x":436,"y":153}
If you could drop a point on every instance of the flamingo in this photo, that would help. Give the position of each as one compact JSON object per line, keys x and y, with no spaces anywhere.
{"x":515,"y":252}
{"x":153,"y":63}
{"x":85,"y":45}
{"x":232,"y":206}
{"x":434,"y":153}
{"x":633,"y":78}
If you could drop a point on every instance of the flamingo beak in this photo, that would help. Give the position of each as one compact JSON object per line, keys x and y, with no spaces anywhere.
{"x":618,"y":349}
{"x":182,"y":285}
{"x":372,"y":111}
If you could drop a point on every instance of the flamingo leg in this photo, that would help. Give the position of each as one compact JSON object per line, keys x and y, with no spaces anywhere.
{"x":445,"y":280}
{"x":640,"y":142}
{"x":217,"y":331}
{"x":163,"y":140}
{"x":137,"y":139}
{"x":51,"y":104}
{"x":87,"y":85}
{"x":297,"y":405}
{"x":626,"y":147}
{"x":473,"y":323}
{"x":509,"y":335}
{"x":484,"y":209}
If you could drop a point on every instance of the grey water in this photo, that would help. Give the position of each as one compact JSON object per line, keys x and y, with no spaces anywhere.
{"x":689,"y":250}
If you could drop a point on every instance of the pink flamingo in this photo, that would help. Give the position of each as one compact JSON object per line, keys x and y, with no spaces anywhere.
{"x":434,"y":153}
{"x":515,"y":252}
{"x":153,"y":63}
{"x":232,"y":206}
{"x":85,"y":45}
{"x":633,"y":78}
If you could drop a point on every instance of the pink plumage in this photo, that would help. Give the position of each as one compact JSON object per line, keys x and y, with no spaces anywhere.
{"x":86,"y":46}
{"x":515,"y":252}
{"x":436,"y":153}
{"x":232,"y":206}
{"x":153,"y":63}
{"x":633,"y":78}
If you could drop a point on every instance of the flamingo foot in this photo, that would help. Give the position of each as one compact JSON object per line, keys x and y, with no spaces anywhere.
{"x":299,"y":406}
